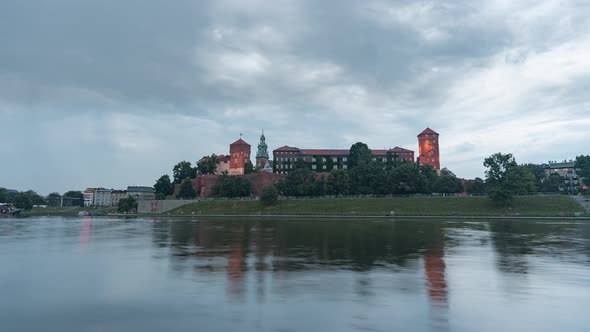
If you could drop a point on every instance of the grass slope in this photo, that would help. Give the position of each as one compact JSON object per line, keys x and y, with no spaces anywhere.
{"x":403,"y":206}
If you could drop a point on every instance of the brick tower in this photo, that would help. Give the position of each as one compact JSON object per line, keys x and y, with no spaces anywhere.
{"x":428,"y":153}
{"x":239,"y":152}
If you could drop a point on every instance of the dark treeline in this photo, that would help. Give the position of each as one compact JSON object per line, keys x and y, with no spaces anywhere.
{"x":27,"y":199}
{"x":504,"y":178}
{"x":366,"y":176}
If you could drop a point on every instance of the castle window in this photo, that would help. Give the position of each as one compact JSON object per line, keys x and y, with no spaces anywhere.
{"x":314,"y":166}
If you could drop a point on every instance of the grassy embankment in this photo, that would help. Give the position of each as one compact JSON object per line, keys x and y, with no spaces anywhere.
{"x":534,"y":206}
{"x":66,"y":211}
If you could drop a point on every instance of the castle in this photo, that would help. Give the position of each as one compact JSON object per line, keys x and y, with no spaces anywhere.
{"x":326,"y":160}
{"x":268,"y":172}
{"x":322,"y":160}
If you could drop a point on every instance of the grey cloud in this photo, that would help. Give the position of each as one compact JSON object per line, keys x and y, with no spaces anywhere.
{"x":311,"y":73}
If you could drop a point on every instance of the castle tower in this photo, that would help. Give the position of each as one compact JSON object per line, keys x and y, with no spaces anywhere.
{"x":262,"y":154}
{"x":239,"y":153}
{"x":428,"y":153}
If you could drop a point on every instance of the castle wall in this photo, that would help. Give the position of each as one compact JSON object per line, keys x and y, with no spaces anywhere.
{"x":203,"y":185}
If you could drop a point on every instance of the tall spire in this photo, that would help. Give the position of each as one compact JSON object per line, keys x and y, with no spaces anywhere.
{"x":262,"y":147}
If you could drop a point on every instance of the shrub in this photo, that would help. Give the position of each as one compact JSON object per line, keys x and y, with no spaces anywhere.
{"x":269,"y":196}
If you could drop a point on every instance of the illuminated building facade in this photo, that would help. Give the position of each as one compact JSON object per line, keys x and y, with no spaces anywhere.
{"x":428,"y":151}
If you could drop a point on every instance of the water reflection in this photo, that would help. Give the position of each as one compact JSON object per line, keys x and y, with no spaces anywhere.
{"x":434,"y":267}
{"x":85,"y":234}
{"x":300,"y":275}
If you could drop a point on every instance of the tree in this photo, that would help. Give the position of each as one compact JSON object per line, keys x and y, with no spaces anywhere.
{"x":552,"y":183}
{"x":318,"y":186}
{"x":583,"y":166}
{"x":54,"y":199}
{"x":504,"y":178}
{"x":183,"y":170}
{"x":447,"y":183}
{"x":359,"y":153}
{"x":539,"y":172}
{"x":232,"y":186}
{"x":23,"y":201}
{"x":338,"y":182}
{"x":299,"y":182}
{"x":497,"y":165}
{"x":269,"y":195}
{"x":476,"y":186}
{"x":186,"y":189}
{"x":127,"y":204}
{"x":407,"y":179}
{"x":164,"y":186}
{"x":208,"y":165}
{"x":36,"y":199}
{"x":430,"y":175}
{"x":249,"y":168}
{"x":75,"y":194}
{"x":519,"y":180}
{"x":359,"y":179}
{"x":3,"y":195}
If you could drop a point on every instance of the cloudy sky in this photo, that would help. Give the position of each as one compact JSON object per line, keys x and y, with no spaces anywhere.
{"x":113,"y":93}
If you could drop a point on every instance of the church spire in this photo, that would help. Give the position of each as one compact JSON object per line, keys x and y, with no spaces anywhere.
{"x":262,"y":147}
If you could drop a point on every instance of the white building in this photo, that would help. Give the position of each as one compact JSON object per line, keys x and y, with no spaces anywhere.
{"x":102,"y":197}
{"x":89,"y":196}
{"x":141,"y":193}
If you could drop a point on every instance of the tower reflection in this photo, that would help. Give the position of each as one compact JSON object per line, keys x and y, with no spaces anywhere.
{"x":434,"y":267}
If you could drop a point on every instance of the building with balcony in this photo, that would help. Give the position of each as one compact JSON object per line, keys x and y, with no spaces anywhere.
{"x":572,"y":183}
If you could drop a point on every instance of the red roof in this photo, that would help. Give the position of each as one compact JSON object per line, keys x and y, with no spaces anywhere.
{"x":397,"y":149}
{"x":339,"y":152}
{"x":240,"y":142}
{"x":287,"y":148}
{"x":428,"y":131}
{"x":325,"y":152}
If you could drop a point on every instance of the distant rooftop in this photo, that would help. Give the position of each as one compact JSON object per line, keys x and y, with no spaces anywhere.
{"x":240,"y":142}
{"x":563,"y":164}
{"x":140,"y":189}
{"x":428,"y":131}
{"x":339,"y":152}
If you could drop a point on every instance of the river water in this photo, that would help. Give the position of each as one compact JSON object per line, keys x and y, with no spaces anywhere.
{"x":106,"y":274}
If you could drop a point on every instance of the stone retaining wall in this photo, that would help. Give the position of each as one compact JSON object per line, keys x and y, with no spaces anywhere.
{"x":161,"y":206}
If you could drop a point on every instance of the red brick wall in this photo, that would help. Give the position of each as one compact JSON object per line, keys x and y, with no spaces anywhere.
{"x":259,"y":181}
{"x":203,"y":185}
{"x":239,"y":155}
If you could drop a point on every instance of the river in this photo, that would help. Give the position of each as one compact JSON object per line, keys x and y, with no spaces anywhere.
{"x":198,"y":274}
